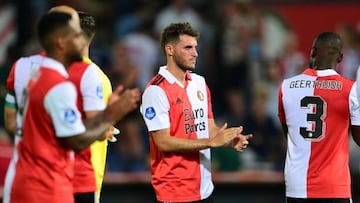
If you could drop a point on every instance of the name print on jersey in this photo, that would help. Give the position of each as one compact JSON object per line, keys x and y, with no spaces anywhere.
{"x":190,"y":117}
{"x":317,"y":84}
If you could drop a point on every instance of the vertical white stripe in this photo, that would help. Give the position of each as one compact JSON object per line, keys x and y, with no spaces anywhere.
{"x":198,"y":84}
{"x":299,"y":150}
{"x":10,"y":174}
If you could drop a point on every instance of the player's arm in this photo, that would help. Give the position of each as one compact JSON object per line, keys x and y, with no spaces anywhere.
{"x":167,"y":143}
{"x":281,"y":112}
{"x":10,"y":114}
{"x":155,"y":108}
{"x":10,"y":103}
{"x":121,"y":102}
{"x":61,"y":105}
{"x":355,"y":111}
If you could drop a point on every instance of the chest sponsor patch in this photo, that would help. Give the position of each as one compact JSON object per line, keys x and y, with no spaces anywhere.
{"x":150,"y":113}
{"x":70,"y":116}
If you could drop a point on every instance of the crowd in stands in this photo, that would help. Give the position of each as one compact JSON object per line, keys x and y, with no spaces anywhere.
{"x":245,"y":50}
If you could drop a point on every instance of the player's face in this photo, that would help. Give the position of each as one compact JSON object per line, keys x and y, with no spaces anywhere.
{"x":75,"y":41}
{"x":185,"y":53}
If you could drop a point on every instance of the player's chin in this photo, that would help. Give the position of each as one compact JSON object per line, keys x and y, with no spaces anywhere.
{"x":191,"y":66}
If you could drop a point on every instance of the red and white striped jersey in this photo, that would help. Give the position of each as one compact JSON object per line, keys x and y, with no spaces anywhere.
{"x":16,"y":82}
{"x":87,"y":81}
{"x":185,"y":109}
{"x":18,"y":79}
{"x":45,"y":167}
{"x":317,"y":106}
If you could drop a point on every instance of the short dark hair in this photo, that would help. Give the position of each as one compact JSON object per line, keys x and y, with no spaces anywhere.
{"x":50,"y":23}
{"x":330,"y":39}
{"x":172,"y":33}
{"x":87,"y":23}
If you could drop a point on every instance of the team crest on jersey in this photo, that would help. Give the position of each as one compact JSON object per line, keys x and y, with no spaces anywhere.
{"x":200,"y":95}
{"x":70,"y":116}
{"x":99,"y":91}
{"x":150,"y":113}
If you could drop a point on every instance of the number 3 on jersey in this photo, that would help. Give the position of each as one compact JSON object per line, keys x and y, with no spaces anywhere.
{"x":316,"y":118}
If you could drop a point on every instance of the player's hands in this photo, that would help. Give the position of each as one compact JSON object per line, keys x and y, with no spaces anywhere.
{"x":240,"y":142}
{"x":110,"y":134}
{"x":121,"y":102}
{"x":224,"y":136}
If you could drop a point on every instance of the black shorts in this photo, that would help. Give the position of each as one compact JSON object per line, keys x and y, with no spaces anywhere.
{"x":86,"y":197}
{"x":207,"y":200}
{"x":317,"y":200}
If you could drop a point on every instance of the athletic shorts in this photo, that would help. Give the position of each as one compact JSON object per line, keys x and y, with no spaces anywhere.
{"x":317,"y":200}
{"x":86,"y":197}
{"x":207,"y":200}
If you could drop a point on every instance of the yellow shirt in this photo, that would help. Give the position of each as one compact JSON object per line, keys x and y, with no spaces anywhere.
{"x":99,"y":148}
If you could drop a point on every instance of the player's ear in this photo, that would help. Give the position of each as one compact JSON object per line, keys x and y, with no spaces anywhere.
{"x":313,"y":52}
{"x":340,"y":57}
{"x":169,"y":49}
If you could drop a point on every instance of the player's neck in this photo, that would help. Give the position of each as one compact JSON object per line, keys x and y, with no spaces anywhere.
{"x":85,"y":52}
{"x":177,"y":72}
{"x":58,"y":57}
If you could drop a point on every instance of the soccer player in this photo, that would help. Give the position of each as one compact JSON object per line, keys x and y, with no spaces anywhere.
{"x":94,"y":88}
{"x":177,"y":110}
{"x":316,"y":109}
{"x":92,"y":81}
{"x":52,"y":126}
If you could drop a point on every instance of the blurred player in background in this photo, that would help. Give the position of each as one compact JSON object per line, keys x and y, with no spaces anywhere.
{"x":19,"y":77}
{"x":52,"y":124}
{"x":93,"y":88}
{"x":316,"y":109}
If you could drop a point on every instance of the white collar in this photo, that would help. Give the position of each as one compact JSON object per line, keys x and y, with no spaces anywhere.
{"x":55,"y":65}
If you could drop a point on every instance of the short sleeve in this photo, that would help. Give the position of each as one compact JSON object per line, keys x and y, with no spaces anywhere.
{"x":92,"y":90}
{"x":281,"y":113}
{"x":60,"y":103}
{"x":155,"y":108}
{"x":354,"y":105}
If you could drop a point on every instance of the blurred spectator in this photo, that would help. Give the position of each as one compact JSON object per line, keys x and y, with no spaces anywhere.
{"x":129,"y":153}
{"x":274,"y":28}
{"x":122,"y":70}
{"x":239,"y":33}
{"x":291,"y":59}
{"x":143,"y":52}
{"x":351,"y":52}
{"x":267,"y":143}
{"x":10,"y":20}
{"x":272,"y":83}
{"x":177,"y":11}
{"x":226,"y":159}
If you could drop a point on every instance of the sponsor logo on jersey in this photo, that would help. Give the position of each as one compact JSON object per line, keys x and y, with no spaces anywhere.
{"x":200,"y":95}
{"x":193,"y":120}
{"x":70,"y":116}
{"x":150,"y":113}
{"x":99,"y":92}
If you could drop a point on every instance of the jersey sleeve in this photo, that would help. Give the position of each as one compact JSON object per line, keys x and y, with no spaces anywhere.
{"x":155,"y":108}
{"x":10,"y":81}
{"x":281,"y":113}
{"x":92,"y":90}
{"x":60,"y":103}
{"x":354,"y":105}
